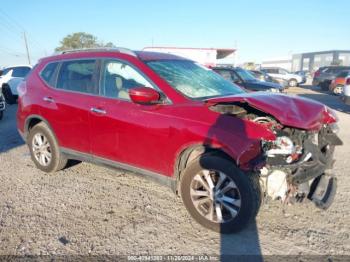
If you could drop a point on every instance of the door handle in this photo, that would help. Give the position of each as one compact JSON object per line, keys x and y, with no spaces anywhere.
{"x":98,"y":111}
{"x":48,"y":99}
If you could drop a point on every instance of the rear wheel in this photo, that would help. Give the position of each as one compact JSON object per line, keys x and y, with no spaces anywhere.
{"x":218,"y":195}
{"x":44,"y":149}
{"x":292,"y":83}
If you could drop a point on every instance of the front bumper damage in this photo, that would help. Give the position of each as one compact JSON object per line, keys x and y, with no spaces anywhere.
{"x":295,"y":158}
{"x":308,"y":177}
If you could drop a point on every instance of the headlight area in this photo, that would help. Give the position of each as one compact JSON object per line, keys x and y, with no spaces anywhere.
{"x":274,"y":90}
{"x":299,"y":166}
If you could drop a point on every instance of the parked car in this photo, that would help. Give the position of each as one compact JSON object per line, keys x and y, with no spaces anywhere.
{"x":324,"y":75}
{"x":180,"y":123}
{"x":2,"y":106}
{"x":337,"y":84}
{"x":303,"y":73}
{"x":280,"y":73}
{"x":346,"y":91}
{"x":10,"y":79}
{"x":245,"y":79}
{"x":263,"y":76}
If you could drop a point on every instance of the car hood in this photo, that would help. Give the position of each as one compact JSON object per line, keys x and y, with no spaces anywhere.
{"x":288,"y":110}
{"x":262,"y":85}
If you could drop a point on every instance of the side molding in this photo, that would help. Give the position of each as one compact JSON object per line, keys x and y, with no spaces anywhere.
{"x":159,"y":178}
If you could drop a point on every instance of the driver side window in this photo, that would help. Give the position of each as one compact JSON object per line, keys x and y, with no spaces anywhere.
{"x":119,"y":77}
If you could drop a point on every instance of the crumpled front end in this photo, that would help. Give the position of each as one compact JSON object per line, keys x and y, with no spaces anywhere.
{"x":297,"y":164}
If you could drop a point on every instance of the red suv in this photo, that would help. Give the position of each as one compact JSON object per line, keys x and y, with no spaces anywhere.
{"x":171,"y":119}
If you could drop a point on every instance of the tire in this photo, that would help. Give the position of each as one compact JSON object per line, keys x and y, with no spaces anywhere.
{"x":293,"y":83}
{"x":338,"y":90}
{"x":9,"y":97}
{"x":324,"y":86}
{"x":247,"y":191}
{"x":57,"y":160}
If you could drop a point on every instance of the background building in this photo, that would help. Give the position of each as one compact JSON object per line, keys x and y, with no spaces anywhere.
{"x":284,"y":62}
{"x":314,"y":60}
{"x":204,"y":56}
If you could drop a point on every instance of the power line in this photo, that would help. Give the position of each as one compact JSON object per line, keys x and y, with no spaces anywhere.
{"x":10,"y":50}
{"x":12,"y":23}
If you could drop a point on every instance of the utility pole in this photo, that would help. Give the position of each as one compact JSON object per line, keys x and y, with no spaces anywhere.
{"x":26,"y":44}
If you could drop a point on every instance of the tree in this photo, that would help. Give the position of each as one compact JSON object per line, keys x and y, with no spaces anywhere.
{"x":81,"y":40}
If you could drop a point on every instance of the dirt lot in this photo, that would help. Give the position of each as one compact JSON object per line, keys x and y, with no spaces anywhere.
{"x":88,"y":209}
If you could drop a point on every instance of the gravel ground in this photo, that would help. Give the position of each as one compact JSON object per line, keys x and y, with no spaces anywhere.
{"x":87,"y":209}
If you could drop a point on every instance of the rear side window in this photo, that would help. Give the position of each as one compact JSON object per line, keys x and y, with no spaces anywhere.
{"x":48,"y":73}
{"x":20,"y":71}
{"x":78,"y":76}
{"x":271,"y":70}
{"x":344,"y":74}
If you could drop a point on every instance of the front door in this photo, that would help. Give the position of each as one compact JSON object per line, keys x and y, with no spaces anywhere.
{"x":123,"y":131}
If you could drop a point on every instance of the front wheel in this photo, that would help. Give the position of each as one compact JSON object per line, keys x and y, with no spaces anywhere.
{"x":44,"y":149}
{"x":338,"y":90}
{"x":9,"y":97}
{"x":218,"y":195}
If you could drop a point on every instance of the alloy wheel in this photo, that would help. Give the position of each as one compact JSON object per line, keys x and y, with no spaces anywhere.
{"x":215,"y":196}
{"x":338,"y":90}
{"x":41,"y":149}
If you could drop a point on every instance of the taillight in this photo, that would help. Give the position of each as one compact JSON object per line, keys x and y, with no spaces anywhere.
{"x":22,"y":88}
{"x":348,"y":81}
{"x":317,"y":73}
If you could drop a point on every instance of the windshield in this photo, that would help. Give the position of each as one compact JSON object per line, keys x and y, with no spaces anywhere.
{"x":245,"y":75}
{"x":193,"y":80}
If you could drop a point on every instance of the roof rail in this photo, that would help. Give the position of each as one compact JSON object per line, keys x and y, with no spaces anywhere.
{"x":101,"y":49}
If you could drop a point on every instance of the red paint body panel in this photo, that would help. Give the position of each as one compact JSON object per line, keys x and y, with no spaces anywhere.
{"x":144,"y":95}
{"x":291,"y":111}
{"x":153,"y":136}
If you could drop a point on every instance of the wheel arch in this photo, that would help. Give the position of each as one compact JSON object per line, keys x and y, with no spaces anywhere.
{"x":32,"y":121}
{"x":190,"y":153}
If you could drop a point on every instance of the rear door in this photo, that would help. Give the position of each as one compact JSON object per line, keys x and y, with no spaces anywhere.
{"x":71,"y":89}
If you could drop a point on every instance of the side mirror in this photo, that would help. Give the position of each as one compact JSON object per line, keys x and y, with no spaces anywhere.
{"x":144,"y":95}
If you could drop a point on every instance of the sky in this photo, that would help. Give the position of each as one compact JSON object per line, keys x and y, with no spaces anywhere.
{"x":260,"y":30}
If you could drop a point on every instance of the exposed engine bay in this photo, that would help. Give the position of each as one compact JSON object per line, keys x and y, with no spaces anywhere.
{"x":298,"y":163}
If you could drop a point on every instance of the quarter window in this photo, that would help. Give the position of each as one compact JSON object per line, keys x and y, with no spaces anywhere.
{"x":119,"y":77}
{"x":78,"y":76}
{"x":48,"y":73}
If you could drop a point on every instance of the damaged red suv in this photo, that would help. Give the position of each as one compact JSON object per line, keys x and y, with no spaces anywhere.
{"x":173,"y":120}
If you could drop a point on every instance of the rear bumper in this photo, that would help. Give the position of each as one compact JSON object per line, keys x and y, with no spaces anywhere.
{"x":303,"y":81}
